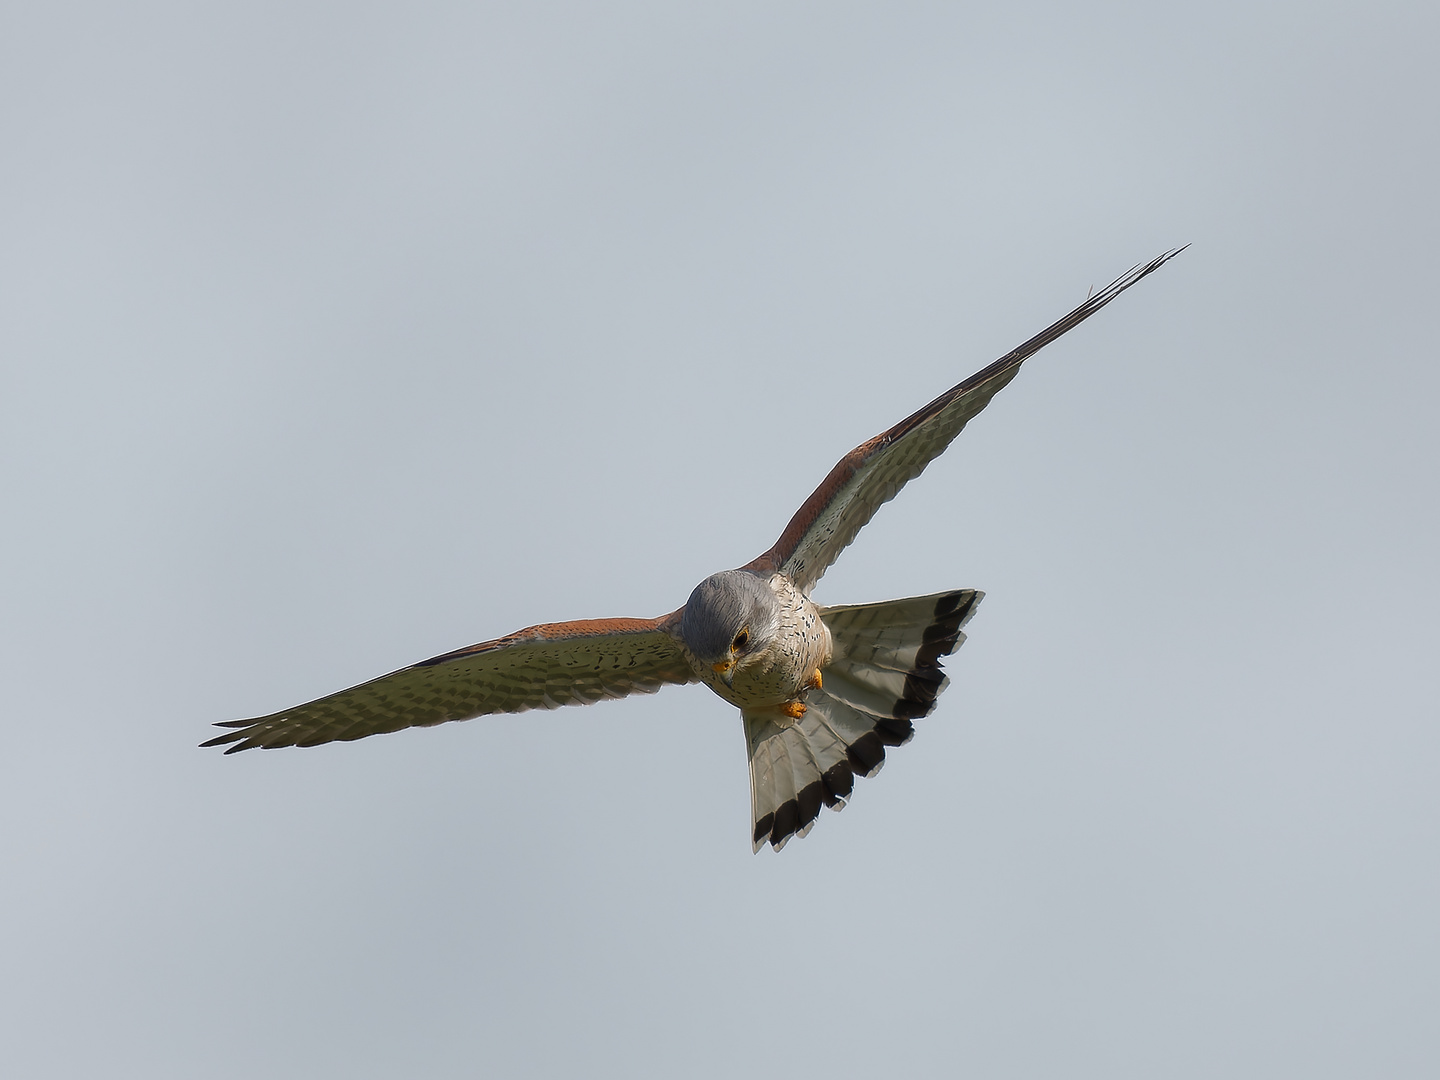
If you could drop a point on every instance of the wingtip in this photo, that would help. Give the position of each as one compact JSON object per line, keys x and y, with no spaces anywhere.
{"x":1131,"y":276}
{"x":222,"y":740}
{"x":238,"y":737}
{"x":1160,"y":260}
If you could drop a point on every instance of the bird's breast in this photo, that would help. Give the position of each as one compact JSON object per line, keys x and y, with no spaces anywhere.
{"x":782,"y":670}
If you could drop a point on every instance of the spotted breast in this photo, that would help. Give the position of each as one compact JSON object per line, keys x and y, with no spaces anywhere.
{"x":781,"y":671}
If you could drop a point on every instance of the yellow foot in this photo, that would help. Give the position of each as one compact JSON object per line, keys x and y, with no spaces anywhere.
{"x":794,"y":710}
{"x":814,"y":683}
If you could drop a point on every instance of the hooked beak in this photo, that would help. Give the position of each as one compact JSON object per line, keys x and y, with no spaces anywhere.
{"x":726,"y":670}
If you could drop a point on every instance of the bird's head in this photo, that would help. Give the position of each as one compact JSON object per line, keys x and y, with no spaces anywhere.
{"x":730,"y":617}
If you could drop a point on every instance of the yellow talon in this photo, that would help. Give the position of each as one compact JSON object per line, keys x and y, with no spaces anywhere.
{"x":815,"y":683}
{"x":793,"y":709}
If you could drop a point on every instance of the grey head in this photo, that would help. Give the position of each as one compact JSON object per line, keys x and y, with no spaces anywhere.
{"x":730,"y":615}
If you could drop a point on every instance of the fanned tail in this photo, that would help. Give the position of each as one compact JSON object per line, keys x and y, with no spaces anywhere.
{"x":884,"y":673}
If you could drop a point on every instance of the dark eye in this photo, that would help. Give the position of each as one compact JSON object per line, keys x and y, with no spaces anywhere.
{"x":742,"y":639}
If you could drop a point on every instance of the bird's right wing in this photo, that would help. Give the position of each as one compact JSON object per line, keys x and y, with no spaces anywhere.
{"x":542,"y":667}
{"x":871,"y":474}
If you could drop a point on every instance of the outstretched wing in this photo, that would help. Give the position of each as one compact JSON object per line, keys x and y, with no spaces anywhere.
{"x":872,"y":473}
{"x":541,"y":667}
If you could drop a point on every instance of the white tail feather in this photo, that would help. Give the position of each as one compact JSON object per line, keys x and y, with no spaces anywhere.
{"x":884,"y":671}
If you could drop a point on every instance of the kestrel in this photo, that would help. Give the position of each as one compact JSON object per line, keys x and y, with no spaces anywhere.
{"x":822,"y":691}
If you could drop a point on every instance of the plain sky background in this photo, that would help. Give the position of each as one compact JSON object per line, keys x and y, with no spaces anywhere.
{"x":334,"y":336}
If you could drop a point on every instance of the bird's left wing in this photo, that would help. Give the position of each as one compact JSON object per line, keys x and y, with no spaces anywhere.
{"x":871,"y":474}
{"x":541,"y":667}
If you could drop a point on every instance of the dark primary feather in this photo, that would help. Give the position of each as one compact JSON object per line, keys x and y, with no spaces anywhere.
{"x":871,"y":474}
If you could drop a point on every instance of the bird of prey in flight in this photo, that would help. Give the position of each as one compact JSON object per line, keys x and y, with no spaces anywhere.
{"x":822,"y":691}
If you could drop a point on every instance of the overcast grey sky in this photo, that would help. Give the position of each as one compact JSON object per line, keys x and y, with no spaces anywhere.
{"x":334,"y":336}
